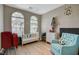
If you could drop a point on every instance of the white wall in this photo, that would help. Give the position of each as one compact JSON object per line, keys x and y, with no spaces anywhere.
{"x":65,"y":21}
{"x":1,"y":21}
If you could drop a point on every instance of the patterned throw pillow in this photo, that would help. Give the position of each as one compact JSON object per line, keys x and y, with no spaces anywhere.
{"x":62,"y":42}
{"x":25,"y":36}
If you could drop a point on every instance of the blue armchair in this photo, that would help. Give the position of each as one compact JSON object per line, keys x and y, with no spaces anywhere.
{"x":70,"y":46}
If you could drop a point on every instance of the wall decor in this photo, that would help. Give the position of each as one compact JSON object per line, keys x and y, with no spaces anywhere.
{"x":53,"y":24}
{"x":68,"y":10}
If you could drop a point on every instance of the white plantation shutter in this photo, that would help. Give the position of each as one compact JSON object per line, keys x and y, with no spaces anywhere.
{"x":17,"y":23}
{"x":33,"y":24}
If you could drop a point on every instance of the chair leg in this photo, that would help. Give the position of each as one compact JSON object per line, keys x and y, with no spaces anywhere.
{"x":15,"y":50}
{"x":6,"y":52}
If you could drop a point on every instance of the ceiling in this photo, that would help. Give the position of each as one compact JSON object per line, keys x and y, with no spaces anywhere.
{"x":39,"y":9}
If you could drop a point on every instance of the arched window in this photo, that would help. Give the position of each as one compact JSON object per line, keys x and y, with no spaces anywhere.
{"x":17,"y":23}
{"x":33,"y":24}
